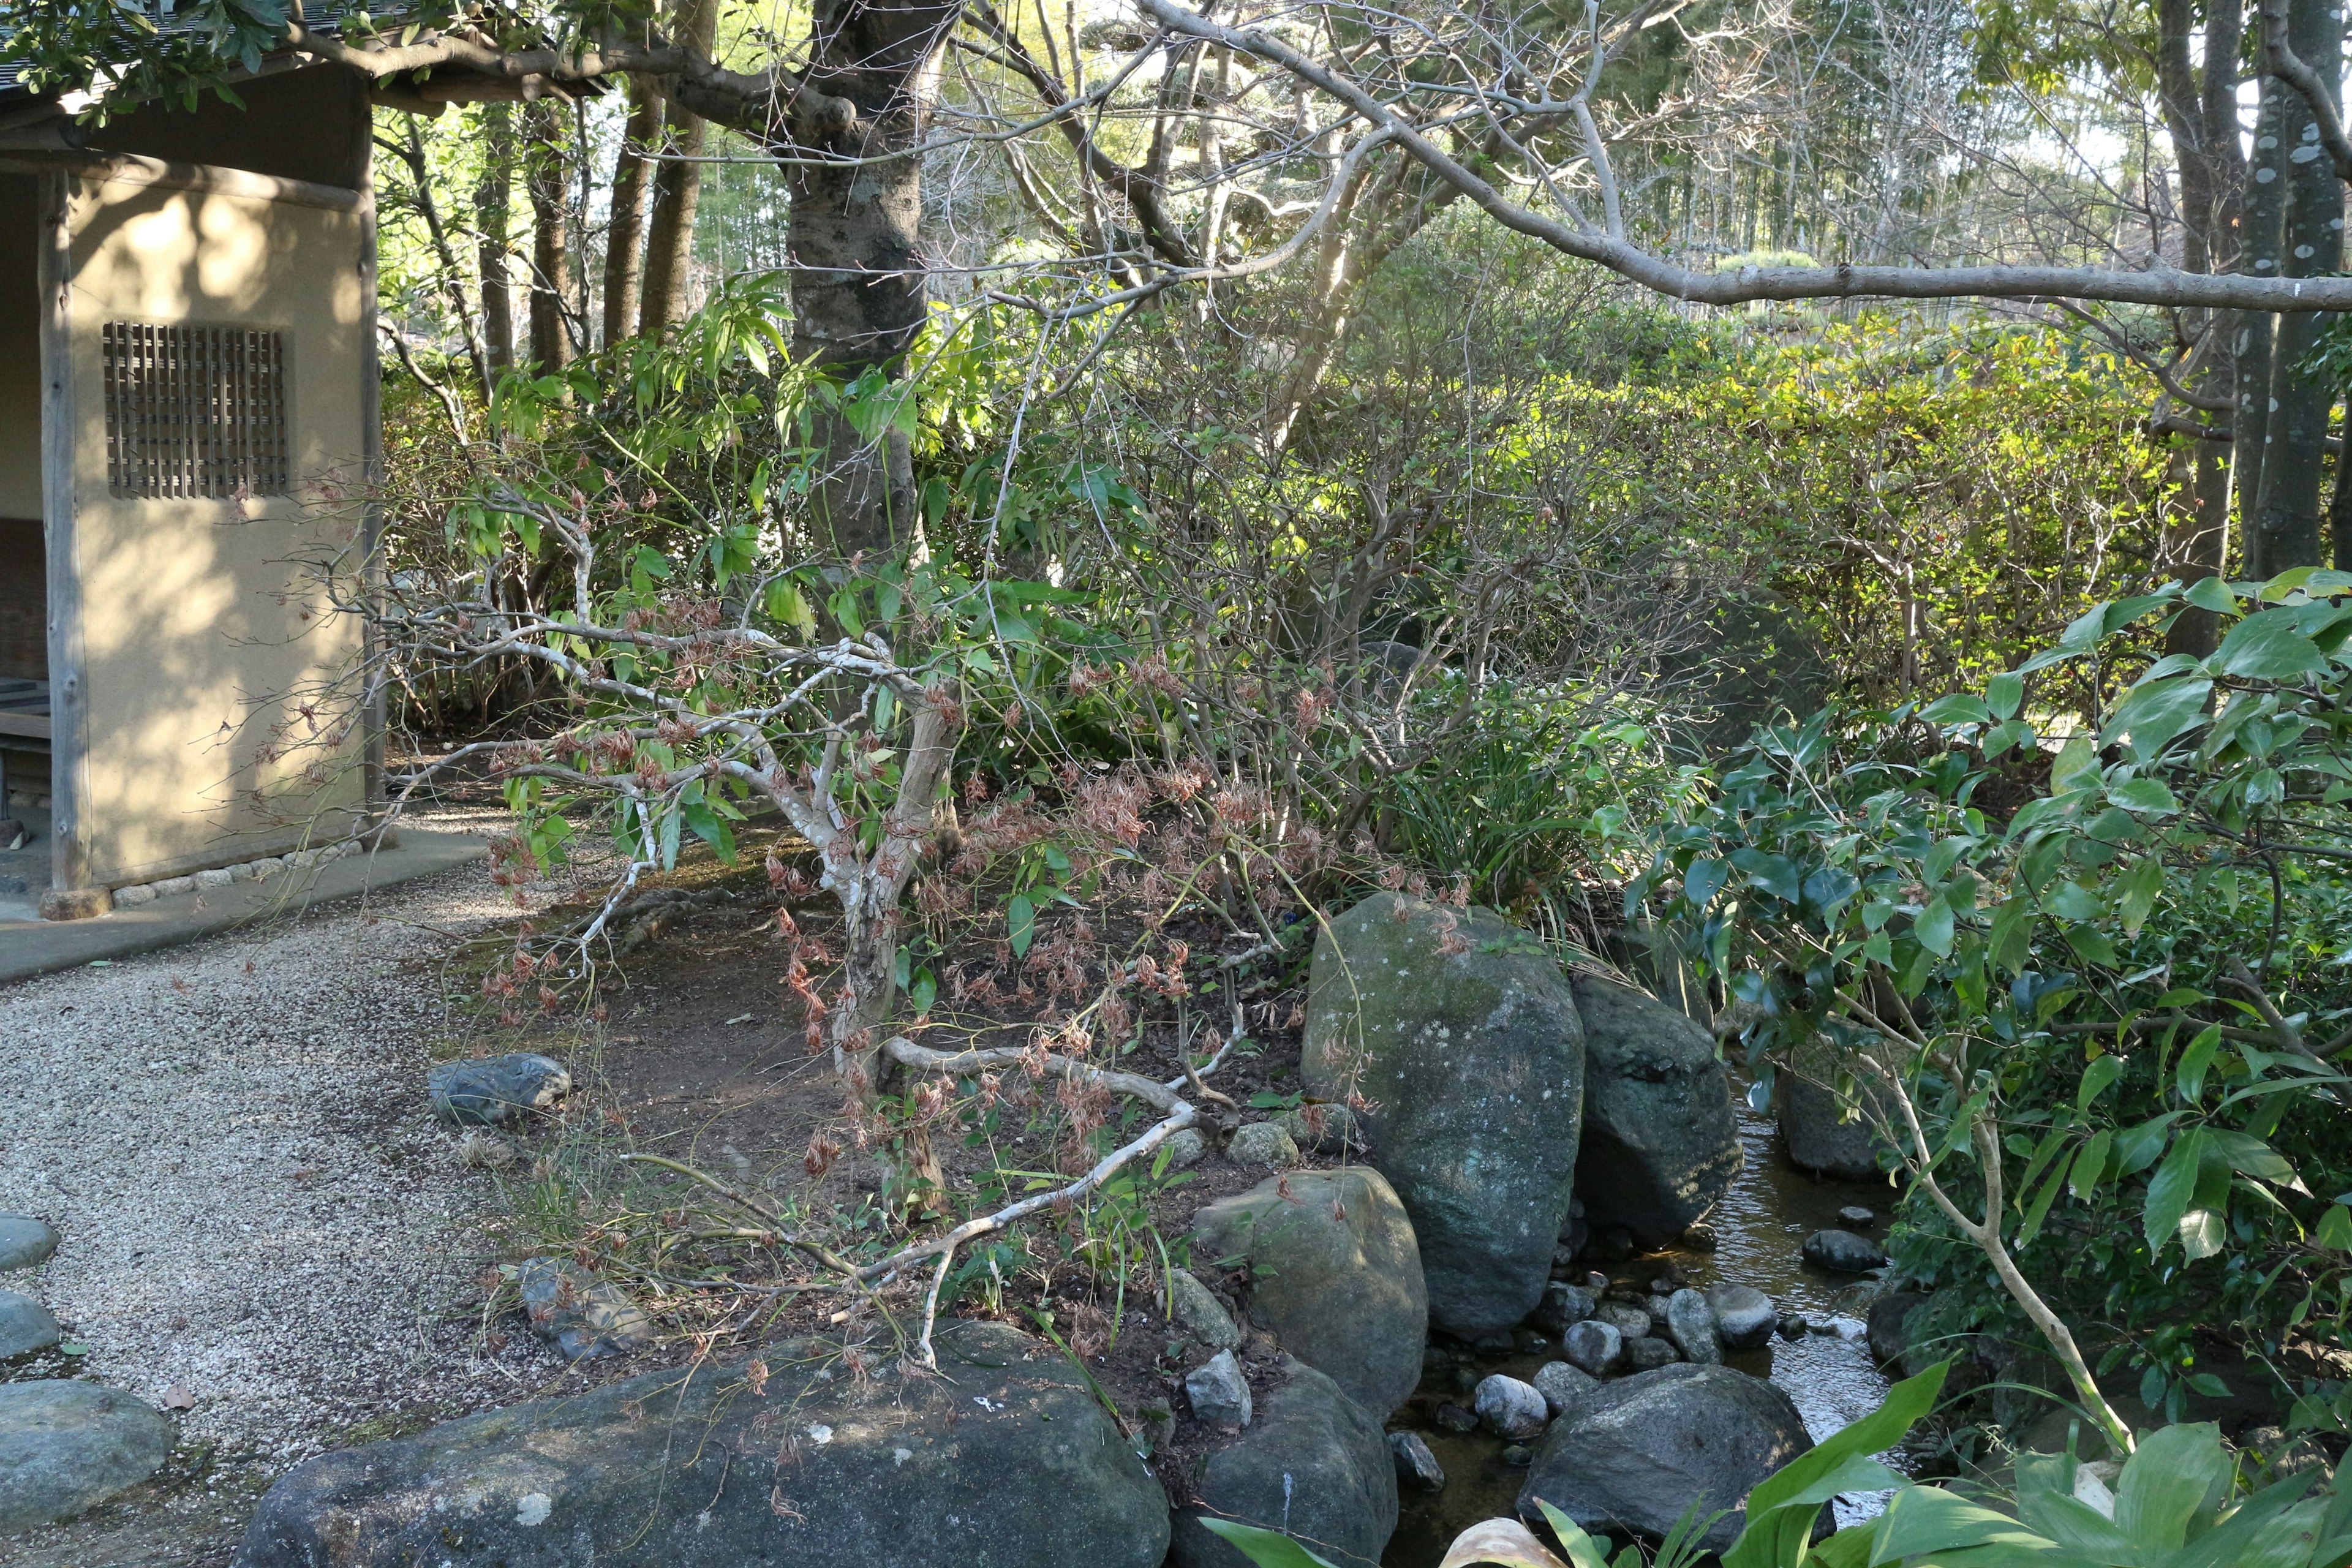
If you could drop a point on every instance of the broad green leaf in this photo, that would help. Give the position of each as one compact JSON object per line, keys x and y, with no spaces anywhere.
{"x":2146,"y":796}
{"x":2136,"y":891}
{"x":2249,"y":1156}
{"x":2266,"y":645}
{"x":2103,"y":1071}
{"x":1020,"y":922}
{"x":2155,"y":711}
{"x":2334,"y":1229}
{"x":2173,"y":1189}
{"x":1776,"y":874}
{"x":2175,"y":1472}
{"x":1267,"y":1548}
{"x":2090,"y":1163}
{"x":1960,"y":707}
{"x":1585,"y":1551}
{"x":1921,"y":1519}
{"x":1780,"y":1523}
{"x":2188,"y":1077}
{"x":2012,"y":933}
{"x":1934,"y":928}
{"x":2003,"y":693}
{"x":2137,"y":1148}
{"x":2039,"y":1210}
{"x":1703,"y":881}
{"x":2075,"y":765}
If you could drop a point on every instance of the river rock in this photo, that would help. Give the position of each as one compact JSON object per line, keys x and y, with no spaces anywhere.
{"x":1185,"y":1148}
{"x":1458,"y":1025}
{"x":1594,"y":1346}
{"x":1824,"y":1135}
{"x":1842,"y":1252}
{"x":1853,"y":1217}
{"x":1635,"y":1453}
{"x":1647,"y":1352}
{"x":1744,"y":1316}
{"x":1263,"y":1144}
{"x":1888,"y":1328}
{"x":65,"y":1446}
{"x":1199,"y":1314}
{"x":580,"y":1314}
{"x":1511,"y":1408}
{"x":1452,"y":1418}
{"x":25,"y":1326}
{"x":1415,"y":1464}
{"x":1316,"y":1464}
{"x":1690,"y":1323}
{"x":1328,"y":1129}
{"x":1219,"y":1392}
{"x":1562,"y":1305}
{"x":1335,"y":1276}
{"x":1629,"y":1320}
{"x":25,"y":1242}
{"x":494,"y":1091}
{"x":1660,"y":1142}
{"x":1562,"y":1386}
{"x":1007,"y":1458}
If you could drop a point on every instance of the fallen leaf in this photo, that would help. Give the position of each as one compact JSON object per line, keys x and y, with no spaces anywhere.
{"x":177,"y":1397}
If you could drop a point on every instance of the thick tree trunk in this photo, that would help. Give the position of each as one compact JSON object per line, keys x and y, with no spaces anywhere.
{"x":625,"y":241}
{"x":858,"y":296}
{"x":677,"y":189}
{"x":493,"y":202}
{"x":2286,"y":527}
{"x":551,"y":256}
{"x":2265,"y":214}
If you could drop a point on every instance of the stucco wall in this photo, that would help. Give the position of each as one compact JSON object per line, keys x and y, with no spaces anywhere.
{"x":202,"y":630}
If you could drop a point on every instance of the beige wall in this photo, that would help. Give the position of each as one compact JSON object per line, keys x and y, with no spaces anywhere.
{"x":201,"y":628}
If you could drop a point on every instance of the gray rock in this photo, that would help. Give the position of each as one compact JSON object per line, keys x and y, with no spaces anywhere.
{"x":1744,"y":1316}
{"x":1510,"y":1408}
{"x":1647,"y":1352}
{"x":1842,"y":1252}
{"x":1005,"y":1459}
{"x":1888,"y":1325}
{"x":1459,"y":1026}
{"x":1690,"y":1323}
{"x":1518,"y":1456}
{"x":1261,"y":1144}
{"x":65,"y":1446}
{"x":1199,"y":1314}
{"x":496,"y":1090}
{"x":1185,"y":1148}
{"x":1626,"y":1317}
{"x":1562,"y":1305}
{"x":1700,"y":1237}
{"x":1219,"y":1393}
{"x":580,"y":1314}
{"x":1823,"y":1133}
{"x":1452,"y":1418}
{"x":1853,"y":1217}
{"x":1594,"y":1346}
{"x":1335,"y":1276}
{"x":1633,"y":1454}
{"x":1661,"y":1143}
{"x":1415,"y":1463}
{"x":1314,"y":1464}
{"x":24,"y":1241}
{"x":1328,"y":1129}
{"x":1793,"y":1325}
{"x":25,"y":1326}
{"x":1562,"y":1386}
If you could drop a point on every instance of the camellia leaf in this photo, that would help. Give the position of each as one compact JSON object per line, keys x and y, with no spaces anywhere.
{"x":2003,"y":695}
{"x":2089,"y":1165}
{"x":2267,"y":647}
{"x":1934,"y":928}
{"x":2156,"y":711}
{"x":2103,"y":1071}
{"x":1020,"y":922}
{"x":2334,"y":1229}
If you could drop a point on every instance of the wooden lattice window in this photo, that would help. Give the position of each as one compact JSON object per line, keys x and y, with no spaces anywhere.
{"x":195,"y":411}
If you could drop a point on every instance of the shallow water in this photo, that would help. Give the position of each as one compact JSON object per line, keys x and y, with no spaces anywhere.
{"x":1760,"y":1224}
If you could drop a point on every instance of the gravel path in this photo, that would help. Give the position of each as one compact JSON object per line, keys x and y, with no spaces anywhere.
{"x":259,"y":1211}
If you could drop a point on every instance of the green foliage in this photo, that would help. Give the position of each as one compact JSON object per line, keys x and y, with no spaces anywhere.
{"x":2137,"y":976}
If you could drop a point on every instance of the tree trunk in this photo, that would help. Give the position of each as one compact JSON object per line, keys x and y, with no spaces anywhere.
{"x":550,"y":257}
{"x":2339,"y":514}
{"x":677,"y":189}
{"x":625,"y":241}
{"x":858,"y":297}
{"x":2286,"y":527}
{"x":493,"y":201}
{"x":2265,"y":205}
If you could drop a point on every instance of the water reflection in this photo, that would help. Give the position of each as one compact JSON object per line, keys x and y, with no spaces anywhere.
{"x":1760,"y":1224}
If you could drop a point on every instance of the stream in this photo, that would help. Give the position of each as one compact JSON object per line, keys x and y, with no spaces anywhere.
{"x":1760,"y":1224}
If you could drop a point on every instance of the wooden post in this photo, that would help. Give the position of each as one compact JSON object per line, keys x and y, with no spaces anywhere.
{"x":68,"y":898}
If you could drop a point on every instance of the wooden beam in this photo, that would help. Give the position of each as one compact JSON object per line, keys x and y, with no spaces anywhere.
{"x":60,"y":430}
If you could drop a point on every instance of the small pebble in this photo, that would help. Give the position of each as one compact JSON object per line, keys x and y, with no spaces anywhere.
{"x":1518,"y":1456}
{"x":1454,"y":1418}
{"x":1414,"y":1462}
{"x":1856,"y":1218}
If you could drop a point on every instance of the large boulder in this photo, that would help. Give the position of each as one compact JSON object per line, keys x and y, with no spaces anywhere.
{"x":1660,"y":1142}
{"x":1633,"y":1454}
{"x":1824,"y":1133}
{"x":1335,"y":1276}
{"x":1459,"y":1030}
{"x":1005,"y":1460}
{"x":1315,"y":1463}
{"x":65,"y":1446}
